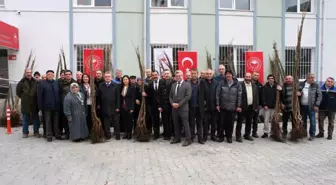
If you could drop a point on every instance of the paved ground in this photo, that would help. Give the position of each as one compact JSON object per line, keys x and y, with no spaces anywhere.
{"x":34,"y":161}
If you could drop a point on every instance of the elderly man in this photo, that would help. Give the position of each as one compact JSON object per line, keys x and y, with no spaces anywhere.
{"x":287,"y":104}
{"x":26,"y":90}
{"x":79,"y":77}
{"x":148,"y":76}
{"x":179,"y":97}
{"x":118,"y":76}
{"x":327,"y":108}
{"x":310,"y":98}
{"x":221,"y":71}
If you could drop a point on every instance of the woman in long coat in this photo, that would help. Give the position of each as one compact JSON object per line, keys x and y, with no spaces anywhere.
{"x":75,"y":111}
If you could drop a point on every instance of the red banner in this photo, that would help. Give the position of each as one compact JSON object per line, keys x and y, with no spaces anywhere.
{"x":9,"y":36}
{"x":97,"y":60}
{"x":255,"y":63}
{"x":187,"y":60}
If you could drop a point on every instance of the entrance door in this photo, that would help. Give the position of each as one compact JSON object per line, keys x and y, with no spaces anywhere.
{"x":3,"y":73}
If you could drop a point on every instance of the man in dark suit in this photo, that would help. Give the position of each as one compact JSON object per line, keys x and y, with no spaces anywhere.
{"x":154,"y":93}
{"x":250,"y":103}
{"x":109,"y":103}
{"x":180,"y":95}
{"x":167,"y":109}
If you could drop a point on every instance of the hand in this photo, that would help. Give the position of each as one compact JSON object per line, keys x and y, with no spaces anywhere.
{"x":282,"y":106}
{"x":238,"y":109}
{"x":69,"y":120}
{"x":131,"y":111}
{"x":298,"y":94}
{"x":279,"y":87}
{"x":218,"y":108}
{"x":265,"y":107}
{"x":160,"y":109}
{"x":259,"y":107}
{"x":175,"y":105}
{"x":144,"y":94}
{"x":98,"y":107}
{"x":137,"y":102}
{"x":316,"y":108}
{"x":117,"y":110}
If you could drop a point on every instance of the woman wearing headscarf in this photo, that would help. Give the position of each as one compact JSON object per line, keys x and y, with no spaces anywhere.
{"x":75,"y":111}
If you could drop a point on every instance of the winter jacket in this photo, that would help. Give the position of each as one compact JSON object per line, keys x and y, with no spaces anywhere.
{"x":269,"y":95}
{"x":314,"y":94}
{"x":26,"y":90}
{"x":209,"y":89}
{"x":328,"y":102}
{"x":229,"y":98}
{"x":219,"y":78}
{"x":48,"y":95}
{"x":259,"y":87}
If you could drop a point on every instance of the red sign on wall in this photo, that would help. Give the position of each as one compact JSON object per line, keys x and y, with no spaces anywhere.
{"x":11,"y":57}
{"x":9,"y":36}
{"x":97,"y":60}
{"x":255,"y":63}
{"x":187,"y":60}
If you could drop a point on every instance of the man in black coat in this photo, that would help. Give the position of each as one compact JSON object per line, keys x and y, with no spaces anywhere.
{"x":250,"y":102}
{"x":256,"y":117}
{"x":154,"y":93}
{"x":167,"y":109}
{"x":207,"y":94}
{"x":26,"y":90}
{"x":49,"y":104}
{"x":109,"y":104}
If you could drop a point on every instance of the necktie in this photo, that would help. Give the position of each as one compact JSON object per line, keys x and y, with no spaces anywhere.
{"x":178,"y":87}
{"x":107,"y":84}
{"x":155,"y":85}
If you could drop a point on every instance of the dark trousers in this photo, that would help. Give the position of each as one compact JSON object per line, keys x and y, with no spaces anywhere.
{"x":331,"y":119}
{"x":211,"y":119}
{"x":156,"y":121}
{"x":310,"y":113}
{"x":184,"y":117}
{"x":167,"y":123}
{"x":135,"y":118}
{"x":227,"y":121}
{"x":60,"y":121}
{"x":247,"y":115}
{"x":255,"y":121}
{"x":51,"y":119}
{"x":195,"y":121}
{"x":149,"y":125}
{"x":127,"y":118}
{"x":65,"y":125}
{"x":107,"y":122}
{"x":89,"y":119}
{"x":285,"y":119}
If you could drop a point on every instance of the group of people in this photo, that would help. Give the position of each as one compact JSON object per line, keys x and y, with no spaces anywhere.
{"x":197,"y":107}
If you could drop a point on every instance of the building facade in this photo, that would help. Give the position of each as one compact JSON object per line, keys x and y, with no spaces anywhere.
{"x":220,"y":27}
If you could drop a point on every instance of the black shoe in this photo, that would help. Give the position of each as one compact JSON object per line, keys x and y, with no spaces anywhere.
{"x":205,"y":138}
{"x":129,"y":137}
{"x":66,"y":137}
{"x":213,"y":138}
{"x":156,"y":137}
{"x":220,"y":140}
{"x":166,"y":138}
{"x":255,"y":135}
{"x":125,"y":136}
{"x":59,"y":138}
{"x":249,"y":138}
{"x":229,"y":140}
{"x":239,"y":139}
{"x":175,"y":141}
{"x":49,"y":139}
{"x":108,"y":137}
{"x":311,"y":138}
{"x":117,"y":137}
{"x":284,"y":136}
{"x":329,"y":137}
{"x":264,"y":136}
{"x":320,"y":135}
{"x":201,"y":141}
{"x":187,"y":143}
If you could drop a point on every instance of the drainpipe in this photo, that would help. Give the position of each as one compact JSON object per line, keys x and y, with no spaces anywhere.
{"x":255,"y":25}
{"x":114,"y":37}
{"x":148,"y":40}
{"x":283,"y":32}
{"x":189,"y":26}
{"x":318,"y":20}
{"x":322,"y":38}
{"x":71,"y":45}
{"x":217,"y":34}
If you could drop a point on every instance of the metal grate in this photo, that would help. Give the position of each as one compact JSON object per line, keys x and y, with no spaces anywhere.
{"x":238,"y":56}
{"x":307,"y":61}
{"x":79,"y":53}
{"x":175,"y":49}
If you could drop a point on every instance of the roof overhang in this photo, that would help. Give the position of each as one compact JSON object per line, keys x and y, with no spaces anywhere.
{"x":9,"y":36}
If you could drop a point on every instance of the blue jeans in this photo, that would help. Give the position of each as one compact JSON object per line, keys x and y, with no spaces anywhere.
{"x":309,"y":112}
{"x":26,"y":120}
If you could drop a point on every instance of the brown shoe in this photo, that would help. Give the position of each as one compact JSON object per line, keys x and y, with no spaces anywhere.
{"x":37,"y":135}
{"x":25,"y":136}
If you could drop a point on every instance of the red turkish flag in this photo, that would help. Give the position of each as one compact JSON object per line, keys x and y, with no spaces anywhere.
{"x":187,"y":60}
{"x":254,"y":62}
{"x":97,"y":60}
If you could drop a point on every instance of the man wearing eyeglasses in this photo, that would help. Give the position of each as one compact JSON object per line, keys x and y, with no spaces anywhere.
{"x":310,"y":98}
{"x":327,"y":108}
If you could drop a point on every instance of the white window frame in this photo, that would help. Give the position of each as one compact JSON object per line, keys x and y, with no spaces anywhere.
{"x":92,"y":4}
{"x":298,"y":7}
{"x":234,"y":6}
{"x":2,"y":5}
{"x":169,"y":5}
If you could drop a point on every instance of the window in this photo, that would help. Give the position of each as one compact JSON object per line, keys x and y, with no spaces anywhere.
{"x":305,"y":64}
{"x":304,"y":5}
{"x":237,"y":55}
{"x":175,"y":48}
{"x":168,"y":3}
{"x":2,"y":3}
{"x":92,"y":3}
{"x":79,"y":49}
{"x":235,"y":4}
